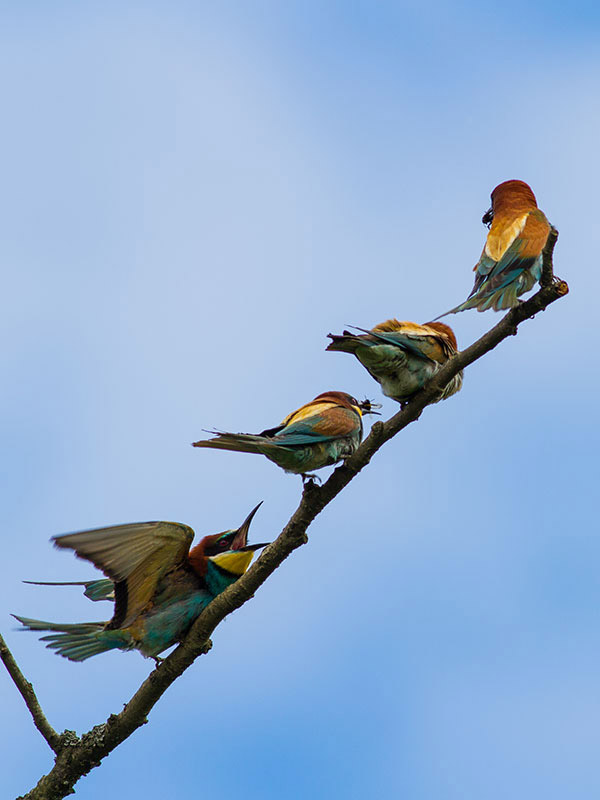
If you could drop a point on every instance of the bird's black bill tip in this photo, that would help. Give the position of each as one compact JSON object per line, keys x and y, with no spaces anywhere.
{"x":242,"y":532}
{"x":488,"y":217}
{"x":252,"y":547}
{"x":249,"y":518}
{"x":368,"y":407}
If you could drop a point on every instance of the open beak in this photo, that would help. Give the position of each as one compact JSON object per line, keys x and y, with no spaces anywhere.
{"x":488,"y":217}
{"x":241,"y":538}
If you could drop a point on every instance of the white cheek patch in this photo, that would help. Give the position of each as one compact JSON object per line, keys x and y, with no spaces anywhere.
{"x":498,"y":242}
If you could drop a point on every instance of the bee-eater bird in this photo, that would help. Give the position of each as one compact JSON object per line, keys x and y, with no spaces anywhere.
{"x":511,"y":261}
{"x":320,"y":433}
{"x":402,"y":356}
{"x":160,"y":585}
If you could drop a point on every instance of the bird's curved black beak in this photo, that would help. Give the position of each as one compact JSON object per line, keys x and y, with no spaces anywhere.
{"x":240,"y":540}
{"x":488,"y":217}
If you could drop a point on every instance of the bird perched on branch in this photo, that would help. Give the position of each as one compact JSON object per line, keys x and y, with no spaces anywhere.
{"x":511,"y":261}
{"x":320,"y":433}
{"x":160,"y":585}
{"x":402,"y":356}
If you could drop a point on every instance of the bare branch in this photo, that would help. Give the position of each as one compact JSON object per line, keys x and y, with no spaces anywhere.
{"x":547,"y":265}
{"x":27,"y":693}
{"x":79,"y":757}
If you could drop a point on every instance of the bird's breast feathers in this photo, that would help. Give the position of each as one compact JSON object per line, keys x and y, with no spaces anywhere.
{"x":502,"y":234}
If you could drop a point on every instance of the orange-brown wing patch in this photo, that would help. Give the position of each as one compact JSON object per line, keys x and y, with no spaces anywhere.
{"x":337,"y":421}
{"x":535,"y":234}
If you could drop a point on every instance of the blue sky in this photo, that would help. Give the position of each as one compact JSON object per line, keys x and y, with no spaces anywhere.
{"x":193,"y":196}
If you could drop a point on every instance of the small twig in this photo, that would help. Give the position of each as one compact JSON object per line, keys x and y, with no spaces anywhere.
{"x":28,"y":694}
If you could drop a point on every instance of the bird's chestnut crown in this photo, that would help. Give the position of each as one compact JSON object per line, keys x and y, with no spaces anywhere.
{"x":346,"y":400}
{"x":512,"y":194}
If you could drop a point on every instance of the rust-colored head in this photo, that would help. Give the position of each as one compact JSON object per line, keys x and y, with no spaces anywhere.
{"x":347,"y":401}
{"x":341,"y":398}
{"x":446,"y":332}
{"x":513,"y":193}
{"x":510,"y":196}
{"x":218,"y":543}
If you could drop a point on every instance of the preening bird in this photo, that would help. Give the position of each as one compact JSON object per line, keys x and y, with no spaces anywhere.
{"x":402,"y":356}
{"x":160,"y":585}
{"x":320,"y":433}
{"x":511,"y":261}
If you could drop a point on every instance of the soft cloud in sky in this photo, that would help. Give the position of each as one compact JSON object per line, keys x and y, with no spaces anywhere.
{"x":194,"y":196}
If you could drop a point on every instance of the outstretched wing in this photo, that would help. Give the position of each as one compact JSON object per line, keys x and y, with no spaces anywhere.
{"x":134,"y":556}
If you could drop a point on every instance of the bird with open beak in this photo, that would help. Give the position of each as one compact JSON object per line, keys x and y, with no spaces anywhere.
{"x":160,"y":586}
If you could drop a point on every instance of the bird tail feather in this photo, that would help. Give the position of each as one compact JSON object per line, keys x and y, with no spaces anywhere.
{"x":77,"y":641}
{"x":242,"y":442}
{"x":461,"y":307}
{"x":344,"y":343}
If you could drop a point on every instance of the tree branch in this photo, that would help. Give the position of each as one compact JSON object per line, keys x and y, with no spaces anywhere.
{"x":27,"y":693}
{"x":547,"y":263}
{"x":77,"y":757}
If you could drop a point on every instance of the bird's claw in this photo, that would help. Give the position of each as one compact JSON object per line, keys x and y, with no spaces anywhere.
{"x":157,"y":660}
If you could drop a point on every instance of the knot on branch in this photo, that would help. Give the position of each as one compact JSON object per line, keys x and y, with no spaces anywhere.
{"x":206,"y":647}
{"x":296,"y":533}
{"x":68,"y":739}
{"x":377,"y":430}
{"x":96,"y":736}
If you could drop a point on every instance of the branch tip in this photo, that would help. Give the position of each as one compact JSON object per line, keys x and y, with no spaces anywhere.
{"x":27,"y":692}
